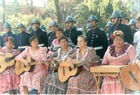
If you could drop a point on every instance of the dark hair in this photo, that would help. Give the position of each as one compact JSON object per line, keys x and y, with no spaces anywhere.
{"x":32,"y":38}
{"x":63,"y":37}
{"x":84,"y":37}
{"x":126,"y":18}
{"x":10,"y":39}
{"x":60,"y":29}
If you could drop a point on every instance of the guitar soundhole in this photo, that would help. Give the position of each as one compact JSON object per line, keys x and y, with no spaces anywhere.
{"x":63,"y":71}
{"x":70,"y":69}
{"x":0,"y":66}
{"x":24,"y":66}
{"x":6,"y":60}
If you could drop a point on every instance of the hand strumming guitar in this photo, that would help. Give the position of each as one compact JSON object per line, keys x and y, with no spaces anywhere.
{"x":57,"y":59}
{"x":26,"y":63}
{"x":72,"y":62}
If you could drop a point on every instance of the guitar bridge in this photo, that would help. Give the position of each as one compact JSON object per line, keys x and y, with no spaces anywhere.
{"x":63,"y":71}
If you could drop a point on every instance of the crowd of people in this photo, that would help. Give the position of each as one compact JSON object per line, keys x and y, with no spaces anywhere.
{"x":118,"y":47}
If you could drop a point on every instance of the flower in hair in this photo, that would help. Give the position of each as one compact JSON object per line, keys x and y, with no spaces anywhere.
{"x":5,"y":39}
{"x":112,"y":36}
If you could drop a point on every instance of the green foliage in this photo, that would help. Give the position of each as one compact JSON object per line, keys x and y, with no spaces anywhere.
{"x":102,"y":9}
{"x":26,"y":20}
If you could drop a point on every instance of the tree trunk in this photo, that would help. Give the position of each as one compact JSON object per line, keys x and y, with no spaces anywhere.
{"x":58,"y":12}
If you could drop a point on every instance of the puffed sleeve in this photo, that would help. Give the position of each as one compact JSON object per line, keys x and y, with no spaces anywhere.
{"x":43,"y":53}
{"x":17,"y":52}
{"x":23,"y":54}
{"x":73,"y":55}
{"x":131,"y":53}
{"x":91,"y":54}
{"x":135,"y":39}
{"x":105,"y":58}
{"x":70,"y":43}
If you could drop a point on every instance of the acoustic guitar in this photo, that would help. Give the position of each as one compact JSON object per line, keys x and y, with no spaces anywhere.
{"x":20,"y":68}
{"x":130,"y":76}
{"x":6,"y":61}
{"x":65,"y":71}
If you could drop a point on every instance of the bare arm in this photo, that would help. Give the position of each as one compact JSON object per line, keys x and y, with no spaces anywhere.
{"x":135,"y":46}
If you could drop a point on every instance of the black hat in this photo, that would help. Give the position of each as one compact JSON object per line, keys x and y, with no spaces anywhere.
{"x":138,"y":19}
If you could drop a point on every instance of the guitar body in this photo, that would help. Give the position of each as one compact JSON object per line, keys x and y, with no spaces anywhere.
{"x":130,"y":76}
{"x":20,"y":68}
{"x":65,"y":72}
{"x":4,"y":64}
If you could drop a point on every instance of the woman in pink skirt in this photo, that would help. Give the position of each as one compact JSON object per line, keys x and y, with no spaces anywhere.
{"x":9,"y":81}
{"x":119,"y":53}
{"x":35,"y":79}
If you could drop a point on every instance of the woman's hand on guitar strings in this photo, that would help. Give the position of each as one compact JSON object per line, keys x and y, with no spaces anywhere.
{"x":71,"y":65}
{"x":26,"y":63}
{"x":57,"y":59}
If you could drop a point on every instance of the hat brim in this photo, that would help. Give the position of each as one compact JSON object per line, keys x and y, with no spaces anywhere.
{"x":138,"y":19}
{"x":36,"y":23}
{"x":91,"y":20}
{"x":70,"y":21}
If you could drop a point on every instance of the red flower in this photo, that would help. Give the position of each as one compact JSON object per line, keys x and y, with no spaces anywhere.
{"x":112,"y":36}
{"x":5,"y":39}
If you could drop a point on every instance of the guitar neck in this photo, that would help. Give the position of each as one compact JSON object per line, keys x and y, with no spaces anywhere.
{"x":95,"y":59}
{"x":33,"y":63}
{"x":10,"y":58}
{"x":80,"y":64}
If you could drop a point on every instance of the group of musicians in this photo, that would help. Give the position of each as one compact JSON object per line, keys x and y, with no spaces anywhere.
{"x":70,"y":46}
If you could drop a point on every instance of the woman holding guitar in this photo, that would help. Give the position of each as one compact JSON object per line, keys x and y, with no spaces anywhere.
{"x":9,"y":81}
{"x":119,"y":53}
{"x":52,"y":84}
{"x":35,"y":79}
{"x":83,"y":83}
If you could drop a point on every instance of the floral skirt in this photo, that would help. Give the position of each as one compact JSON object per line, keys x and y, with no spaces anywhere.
{"x":9,"y":80}
{"x":111,"y":85}
{"x":53,"y":85}
{"x":83,"y":83}
{"x":33,"y":80}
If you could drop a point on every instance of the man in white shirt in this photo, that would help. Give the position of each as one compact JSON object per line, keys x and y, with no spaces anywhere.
{"x":136,"y":40}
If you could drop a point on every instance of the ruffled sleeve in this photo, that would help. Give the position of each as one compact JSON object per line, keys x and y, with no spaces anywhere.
{"x":91,"y":54}
{"x":18,"y":52}
{"x":70,"y":43}
{"x":23,"y":54}
{"x":43,"y":53}
{"x":51,"y":46}
{"x":131,"y":53}
{"x":73,"y":55}
{"x":105,"y":58}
